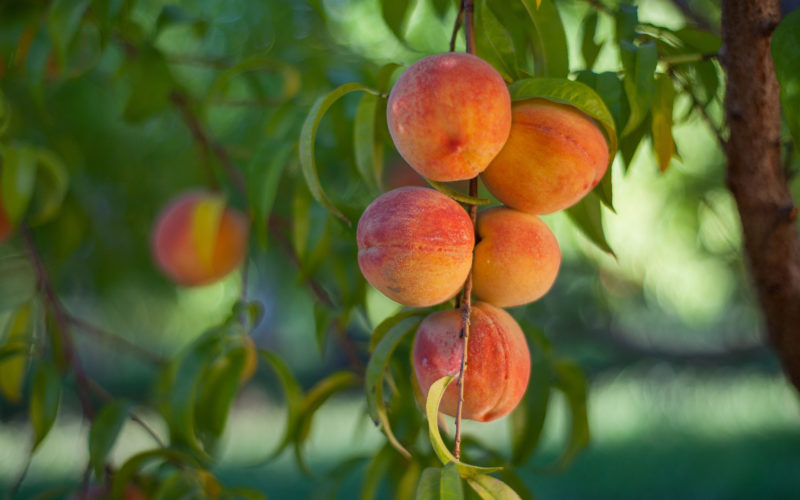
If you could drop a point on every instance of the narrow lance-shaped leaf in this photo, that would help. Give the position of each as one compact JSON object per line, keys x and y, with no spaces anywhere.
{"x":375,"y":471}
{"x":663,"y":142}
{"x":785,"y":49}
{"x":587,"y":215}
{"x":589,"y":48}
{"x":17,"y":180}
{"x":639,"y":63}
{"x":450,"y":485}
{"x":549,"y":39}
{"x":491,"y":488}
{"x":494,"y":43}
{"x":52,"y":181}
{"x":364,"y":139}
{"x":457,"y":195}
{"x":428,"y":485}
{"x":373,"y":380}
{"x":103,"y":434}
{"x":64,"y":19}
{"x":571,"y":381}
{"x":45,"y":399}
{"x":306,"y":146}
{"x":125,"y":474}
{"x":218,"y":387}
{"x":626,"y":19}
{"x":386,"y":325}
{"x":264,"y":174}
{"x":435,"y":393}
{"x":14,"y":363}
{"x":527,"y":421}
{"x":294,"y":399}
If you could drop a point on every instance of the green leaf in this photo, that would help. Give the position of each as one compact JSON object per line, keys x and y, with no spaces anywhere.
{"x":52,"y":182}
{"x":125,"y":474}
{"x":219,"y":385}
{"x":708,"y":77}
{"x":663,"y":142}
{"x":639,"y":63}
{"x":550,"y":52}
{"x":587,"y":215}
{"x":490,"y":488}
{"x":5,"y":114}
{"x":106,"y":426}
{"x":301,"y":222}
{"x":527,"y":421}
{"x":45,"y":398}
{"x":294,"y":399}
{"x":785,"y":48}
{"x":442,"y":7}
{"x":626,"y":20}
{"x":589,"y":48}
{"x":174,"y":15}
{"x":703,"y":42}
{"x":14,"y":363}
{"x":428,"y":485}
{"x":383,"y":328}
{"x":376,"y":367}
{"x":494,"y":43}
{"x":457,"y":195}
{"x":435,"y":393}
{"x":570,"y":380}
{"x":394,"y":13}
{"x":375,"y":471}
{"x":264,"y":172}
{"x":450,"y":487}
{"x":609,"y":87}
{"x":17,"y":180}
{"x":261,"y":61}
{"x":63,"y":21}
{"x":573,"y":93}
{"x":365,"y":141}
{"x":151,"y":84}
{"x":308,"y":135}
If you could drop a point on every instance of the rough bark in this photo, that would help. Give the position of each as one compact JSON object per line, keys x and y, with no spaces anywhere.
{"x":755,"y":175}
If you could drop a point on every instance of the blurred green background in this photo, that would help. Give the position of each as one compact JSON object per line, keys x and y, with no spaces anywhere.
{"x":685,"y":401}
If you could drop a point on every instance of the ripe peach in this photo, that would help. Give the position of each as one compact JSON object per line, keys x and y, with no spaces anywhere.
{"x":554,"y":156}
{"x":415,"y":246}
{"x":6,"y":228}
{"x":449,"y":115}
{"x":516,"y":258}
{"x":498,"y":360}
{"x":194,"y":246}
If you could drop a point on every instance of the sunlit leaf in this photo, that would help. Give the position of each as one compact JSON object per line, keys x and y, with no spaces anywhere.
{"x":45,"y":399}
{"x":17,"y":180}
{"x":435,"y":393}
{"x":365,"y":140}
{"x":14,"y":363}
{"x":103,"y":433}
{"x":63,"y":21}
{"x":785,"y":49}
{"x":306,"y":146}
{"x":663,"y":142}
{"x":450,"y":486}
{"x":703,"y":42}
{"x":491,"y":488}
{"x":550,"y":52}
{"x":639,"y":63}
{"x":428,"y":485}
{"x":376,"y":367}
{"x":494,"y":42}
{"x":587,"y":215}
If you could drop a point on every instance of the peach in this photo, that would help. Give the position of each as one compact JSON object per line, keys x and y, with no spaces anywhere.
{"x":449,"y":115}
{"x":415,"y":246}
{"x":197,"y":240}
{"x":498,"y":360}
{"x":554,"y":156}
{"x":6,"y":227}
{"x":516,"y":259}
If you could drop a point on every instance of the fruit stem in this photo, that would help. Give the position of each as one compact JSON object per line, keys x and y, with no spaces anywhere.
{"x":466,"y":311}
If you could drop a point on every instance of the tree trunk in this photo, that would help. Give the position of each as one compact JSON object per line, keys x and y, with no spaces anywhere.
{"x":755,"y":175}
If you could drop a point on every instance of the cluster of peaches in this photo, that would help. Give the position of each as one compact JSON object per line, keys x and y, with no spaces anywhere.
{"x":451,"y":118}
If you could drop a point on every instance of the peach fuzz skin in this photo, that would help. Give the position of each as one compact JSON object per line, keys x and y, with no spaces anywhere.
{"x":449,"y":115}
{"x":175,"y":250}
{"x":516,"y":259}
{"x":415,"y":246}
{"x":498,"y":361}
{"x":553,"y":157}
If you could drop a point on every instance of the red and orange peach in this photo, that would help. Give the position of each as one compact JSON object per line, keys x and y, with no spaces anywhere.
{"x":449,"y":115}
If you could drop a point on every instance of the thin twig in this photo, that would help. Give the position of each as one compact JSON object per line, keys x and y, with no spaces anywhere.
{"x":105,"y":395}
{"x":466,"y":311}
{"x":699,"y":107}
{"x":98,"y":332}
{"x":51,"y":299}
{"x":202,"y":137}
{"x":469,"y":25}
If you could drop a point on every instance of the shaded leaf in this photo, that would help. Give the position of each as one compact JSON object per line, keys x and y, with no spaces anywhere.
{"x":376,"y":469}
{"x":663,"y":142}
{"x":639,"y":63}
{"x":589,"y":48}
{"x":219,"y":385}
{"x":306,"y":145}
{"x":587,"y":215}
{"x":365,"y":141}
{"x":294,"y":399}
{"x":550,"y":52}
{"x":785,"y":49}
{"x":261,"y":61}
{"x":125,"y":474}
{"x":151,"y":84}
{"x":17,"y":180}
{"x":63,"y":21}
{"x":527,"y":420}
{"x":394,"y":13}
{"x":626,"y":19}
{"x":570,"y":380}
{"x":491,"y":488}
{"x":106,"y":426}
{"x":383,"y":328}
{"x":174,"y":15}
{"x":428,"y":485}
{"x":494,"y":43}
{"x":14,"y":361}
{"x":45,"y":399}
{"x":703,"y":42}
{"x":450,"y":487}
{"x":52,"y":182}
{"x":376,"y":367}
{"x":264,"y":173}
{"x":442,"y":7}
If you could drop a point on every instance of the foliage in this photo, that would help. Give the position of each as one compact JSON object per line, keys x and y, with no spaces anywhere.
{"x":124,"y":103}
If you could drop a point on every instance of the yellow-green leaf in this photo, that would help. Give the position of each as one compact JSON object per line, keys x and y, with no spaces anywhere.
{"x":45,"y":398}
{"x":491,"y":488}
{"x":13,"y":367}
{"x":663,"y":142}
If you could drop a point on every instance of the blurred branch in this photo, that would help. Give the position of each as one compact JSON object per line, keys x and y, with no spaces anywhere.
{"x":71,"y":358}
{"x":104,"y":394}
{"x":691,"y":15}
{"x":698,"y":106}
{"x":100,"y":333}
{"x":456,"y":27}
